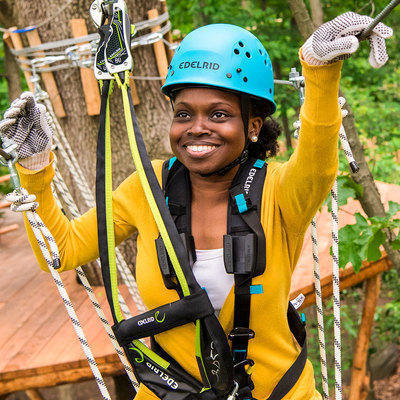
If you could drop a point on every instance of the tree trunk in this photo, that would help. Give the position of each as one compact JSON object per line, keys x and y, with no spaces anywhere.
{"x":317,"y":12}
{"x":284,"y":118}
{"x":371,"y":200}
{"x":153,"y":112}
{"x":12,"y":74}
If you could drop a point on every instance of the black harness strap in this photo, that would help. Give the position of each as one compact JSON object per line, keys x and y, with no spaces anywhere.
{"x":244,"y":256}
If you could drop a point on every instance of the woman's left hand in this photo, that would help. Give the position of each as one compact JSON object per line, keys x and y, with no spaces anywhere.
{"x":337,"y":40}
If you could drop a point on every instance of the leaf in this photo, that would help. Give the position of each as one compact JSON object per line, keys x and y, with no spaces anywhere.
{"x":395,"y":244}
{"x":394,"y":208}
{"x":373,"y":251}
{"x":346,"y":189}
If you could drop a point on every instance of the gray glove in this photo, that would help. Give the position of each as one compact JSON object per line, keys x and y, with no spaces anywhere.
{"x":25,"y":122}
{"x":336,"y":40}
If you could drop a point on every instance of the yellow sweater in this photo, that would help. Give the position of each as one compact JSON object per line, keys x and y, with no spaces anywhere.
{"x":292,"y":194}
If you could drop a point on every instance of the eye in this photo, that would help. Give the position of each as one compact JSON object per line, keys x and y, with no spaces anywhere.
{"x":219,"y":115}
{"x":182,"y":115}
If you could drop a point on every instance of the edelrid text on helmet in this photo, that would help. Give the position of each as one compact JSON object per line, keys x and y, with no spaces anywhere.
{"x":223,"y":56}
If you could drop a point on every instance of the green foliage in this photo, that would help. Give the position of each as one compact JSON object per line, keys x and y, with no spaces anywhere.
{"x":4,"y":187}
{"x":346,"y":188}
{"x":362,"y":240}
{"x":4,"y":103}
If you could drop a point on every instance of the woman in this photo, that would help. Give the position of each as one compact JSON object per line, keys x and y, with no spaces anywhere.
{"x":217,"y":125}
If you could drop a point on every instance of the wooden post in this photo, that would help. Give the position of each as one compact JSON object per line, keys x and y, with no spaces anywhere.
{"x":33,"y":394}
{"x":359,"y":376}
{"x":159,"y":49}
{"x":47,"y":77}
{"x":135,"y":97}
{"x":89,"y":82}
{"x":17,"y":45}
{"x":170,"y":52}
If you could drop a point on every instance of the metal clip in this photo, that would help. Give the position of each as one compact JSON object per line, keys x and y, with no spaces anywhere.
{"x":8,"y":158}
{"x":118,"y":57}
{"x":234,"y":393}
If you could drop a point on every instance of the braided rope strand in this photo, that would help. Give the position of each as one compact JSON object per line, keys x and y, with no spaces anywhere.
{"x":60,"y":183}
{"x":336,"y":292}
{"x":66,"y":151}
{"x":320,"y":312}
{"x":52,"y":259}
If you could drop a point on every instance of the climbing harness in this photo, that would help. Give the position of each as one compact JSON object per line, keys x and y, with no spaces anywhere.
{"x":157,"y":370}
{"x":244,"y":256}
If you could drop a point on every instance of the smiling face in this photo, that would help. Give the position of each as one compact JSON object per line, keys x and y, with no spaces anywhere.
{"x":207,"y":129}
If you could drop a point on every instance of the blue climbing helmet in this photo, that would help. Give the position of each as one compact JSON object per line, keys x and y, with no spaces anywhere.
{"x":224,"y":56}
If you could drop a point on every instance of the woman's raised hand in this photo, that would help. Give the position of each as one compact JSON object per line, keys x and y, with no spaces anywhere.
{"x":337,"y":40}
{"x":25,"y":122}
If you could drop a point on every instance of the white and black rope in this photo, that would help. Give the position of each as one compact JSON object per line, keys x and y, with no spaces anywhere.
{"x":52,"y":258}
{"x":66,"y":152}
{"x":320,"y":312}
{"x":336,"y":293}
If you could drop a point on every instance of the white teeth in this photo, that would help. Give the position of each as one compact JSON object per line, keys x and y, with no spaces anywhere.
{"x":200,"y":148}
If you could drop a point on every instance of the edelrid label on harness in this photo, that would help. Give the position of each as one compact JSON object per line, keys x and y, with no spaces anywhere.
{"x":199,"y":65}
{"x":170,"y":382}
{"x":145,"y":321}
{"x":249,"y":180}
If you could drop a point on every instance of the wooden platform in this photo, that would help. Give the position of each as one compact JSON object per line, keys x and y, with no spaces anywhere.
{"x":38,"y":346}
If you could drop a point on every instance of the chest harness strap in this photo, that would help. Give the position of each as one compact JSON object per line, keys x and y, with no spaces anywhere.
{"x":158,"y":371}
{"x":244,"y":256}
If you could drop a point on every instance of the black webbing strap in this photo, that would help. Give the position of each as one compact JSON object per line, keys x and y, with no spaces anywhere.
{"x":292,"y":375}
{"x":101,"y":198}
{"x":164,"y":318}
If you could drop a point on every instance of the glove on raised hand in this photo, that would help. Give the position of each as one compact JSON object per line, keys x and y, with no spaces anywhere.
{"x":25,"y":122}
{"x":336,"y":40}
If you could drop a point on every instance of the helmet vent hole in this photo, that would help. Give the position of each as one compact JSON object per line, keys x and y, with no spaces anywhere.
{"x":270,"y":90}
{"x":245,"y":79}
{"x":260,"y":51}
{"x":248,"y":55}
{"x":236,"y":51}
{"x":241,"y":44}
{"x":265,"y":62}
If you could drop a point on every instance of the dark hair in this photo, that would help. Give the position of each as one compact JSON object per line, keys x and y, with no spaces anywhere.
{"x":267,"y":144}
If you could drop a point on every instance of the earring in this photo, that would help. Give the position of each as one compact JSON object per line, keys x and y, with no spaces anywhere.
{"x":254,"y":138}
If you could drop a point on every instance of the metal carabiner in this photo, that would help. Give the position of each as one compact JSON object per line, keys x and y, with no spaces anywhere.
{"x":234,"y":393}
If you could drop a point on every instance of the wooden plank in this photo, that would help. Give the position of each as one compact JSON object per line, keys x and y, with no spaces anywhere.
{"x":33,"y":394}
{"x":348,"y":278}
{"x":17,"y":45}
{"x":89,"y":82}
{"x":8,"y":229}
{"x":5,"y":178}
{"x":134,"y":92}
{"x":359,"y":369}
{"x":47,"y":77}
{"x":108,"y":367}
{"x":159,"y":48}
{"x":170,"y":53}
{"x":4,"y":204}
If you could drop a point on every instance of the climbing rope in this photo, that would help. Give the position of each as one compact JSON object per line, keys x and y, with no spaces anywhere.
{"x":23,"y":202}
{"x":65,"y":150}
{"x":58,"y":182}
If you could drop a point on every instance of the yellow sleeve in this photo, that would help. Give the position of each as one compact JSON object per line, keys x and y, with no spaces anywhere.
{"x":305,"y":180}
{"x":77,"y":239}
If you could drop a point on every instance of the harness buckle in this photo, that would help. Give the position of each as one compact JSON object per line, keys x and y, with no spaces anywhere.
{"x":234,"y":393}
{"x":243,"y":363}
{"x":240,"y":332}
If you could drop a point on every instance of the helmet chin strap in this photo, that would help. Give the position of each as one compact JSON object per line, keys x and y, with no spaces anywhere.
{"x":244,"y":155}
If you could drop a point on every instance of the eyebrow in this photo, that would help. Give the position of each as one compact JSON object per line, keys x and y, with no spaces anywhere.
{"x":218,"y":103}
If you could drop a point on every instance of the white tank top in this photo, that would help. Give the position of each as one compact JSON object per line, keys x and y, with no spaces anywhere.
{"x":209,"y":271}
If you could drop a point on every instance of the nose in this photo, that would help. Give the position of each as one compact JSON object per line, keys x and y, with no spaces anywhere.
{"x":199,"y":126}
